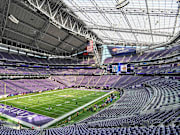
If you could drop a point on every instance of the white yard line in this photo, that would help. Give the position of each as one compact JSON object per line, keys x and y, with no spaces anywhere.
{"x":32,"y":95}
{"x":42,"y":111}
{"x":56,"y":112}
{"x":55,"y":120}
{"x":73,"y":111}
{"x":40,"y":94}
{"x":28,"y":110}
{"x":26,"y":104}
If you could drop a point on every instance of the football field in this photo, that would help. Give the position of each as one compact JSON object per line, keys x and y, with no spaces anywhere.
{"x":53,"y":103}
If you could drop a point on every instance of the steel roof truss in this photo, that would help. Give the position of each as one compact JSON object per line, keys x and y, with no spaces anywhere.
{"x":46,"y":9}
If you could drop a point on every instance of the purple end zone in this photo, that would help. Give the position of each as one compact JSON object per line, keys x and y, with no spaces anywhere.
{"x":26,"y":116}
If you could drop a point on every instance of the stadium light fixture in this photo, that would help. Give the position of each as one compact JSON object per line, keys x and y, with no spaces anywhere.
{"x":13,"y":19}
{"x":121,"y":4}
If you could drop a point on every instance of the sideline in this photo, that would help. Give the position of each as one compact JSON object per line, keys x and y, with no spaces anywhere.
{"x":53,"y":121}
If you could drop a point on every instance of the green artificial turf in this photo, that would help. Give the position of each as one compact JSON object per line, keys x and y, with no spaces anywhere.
{"x":60,"y":101}
{"x":86,"y":114}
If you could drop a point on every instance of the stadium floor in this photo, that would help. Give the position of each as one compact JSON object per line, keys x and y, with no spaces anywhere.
{"x":53,"y":103}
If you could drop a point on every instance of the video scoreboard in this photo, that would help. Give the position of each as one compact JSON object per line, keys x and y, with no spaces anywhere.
{"x":120,"y":68}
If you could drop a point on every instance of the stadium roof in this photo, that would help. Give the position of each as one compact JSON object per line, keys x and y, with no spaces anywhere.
{"x":145,"y":22}
{"x":65,"y":26}
{"x":25,"y":25}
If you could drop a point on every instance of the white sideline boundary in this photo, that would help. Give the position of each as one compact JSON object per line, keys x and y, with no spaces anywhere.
{"x":53,"y":121}
{"x":73,"y":111}
{"x":54,"y":91}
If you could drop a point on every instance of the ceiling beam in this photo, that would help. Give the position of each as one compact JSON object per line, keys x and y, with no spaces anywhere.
{"x":127,"y":30}
{"x":129,"y":24}
{"x":26,"y":46}
{"x":147,"y":8}
{"x":176,"y":18}
{"x":31,"y":38}
{"x":127,"y":11}
{"x":104,"y":16}
{"x":171,"y":42}
{"x":84,"y":14}
{"x":62,"y":19}
{"x":119,"y":41}
{"x":60,"y":43}
{"x":80,"y":47}
{"x":40,"y":33}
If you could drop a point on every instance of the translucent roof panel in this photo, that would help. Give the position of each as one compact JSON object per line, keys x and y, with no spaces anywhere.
{"x":142,"y":21}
